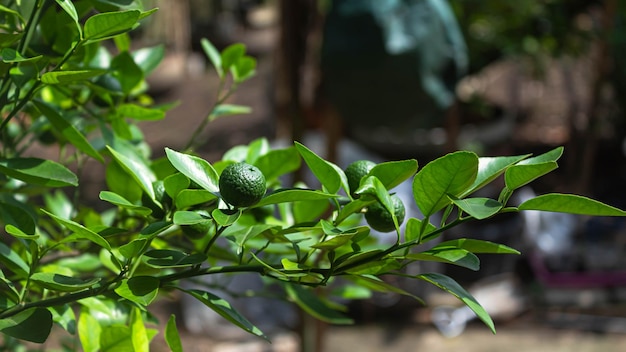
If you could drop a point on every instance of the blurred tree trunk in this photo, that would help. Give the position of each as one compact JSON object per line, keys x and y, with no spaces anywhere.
{"x":171,"y":25}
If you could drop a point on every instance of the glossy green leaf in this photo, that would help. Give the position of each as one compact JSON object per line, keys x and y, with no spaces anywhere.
{"x":449,"y":285}
{"x":67,"y":130}
{"x":478,"y":208}
{"x":62,"y":77}
{"x":38,"y":172}
{"x":183,"y":217}
{"x":58,"y":282}
{"x":489,"y":168}
{"x":241,"y":234}
{"x":13,"y":261}
{"x":79,"y":232}
{"x":243,"y":69}
{"x":116,"y":338}
{"x":413,"y":231}
{"x":10,"y":55}
{"x":329,"y":174}
{"x":64,"y":316}
{"x":519,"y":175}
{"x":376,"y":284}
{"x":227,"y":110}
{"x":551,"y":156}
{"x":8,"y":290}
{"x":293,"y":195}
{"x":32,"y":325}
{"x":133,"y":248}
{"x":149,"y":58}
{"x":89,"y":331}
{"x":569,"y":203}
{"x":139,"y":289}
{"x":371,"y":186}
{"x":478,"y":246}
{"x":231,"y":54}
{"x":334,"y":242}
{"x":257,"y":148}
{"x":451,"y":174}
{"x":278,"y":162}
{"x":393,"y":173}
{"x":226,"y":310}
{"x":139,"y":336}
{"x":311,"y":303}
{"x":356,"y":259}
{"x":305,"y":211}
{"x":139,"y":113}
{"x":175,"y":183}
{"x":136,"y":169}
{"x":58,"y":204}
{"x":127,"y":73}
{"x":190,"y":197}
{"x":213,"y":55}
{"x":224,"y":217}
{"x":69,"y":8}
{"x":107,"y":24}
{"x":172,"y":338}
{"x":122,"y":202}
{"x":170,"y":258}
{"x":456,"y":256}
{"x":352,"y":207}
{"x":120,"y":182}
{"x":18,"y":215}
{"x":195,"y":168}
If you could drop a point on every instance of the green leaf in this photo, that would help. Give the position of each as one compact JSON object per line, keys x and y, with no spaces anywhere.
{"x":195,"y":168}
{"x":139,"y":289}
{"x":489,"y":168}
{"x":222,"y":110}
{"x":449,"y":285}
{"x":126,"y":71}
{"x":89,"y":331}
{"x":32,"y":325}
{"x":67,"y":130}
{"x":456,"y":256}
{"x":231,"y":54}
{"x":116,"y":338}
{"x":224,"y":217}
{"x":170,"y":258}
{"x":451,"y":174}
{"x":38,"y":172}
{"x":257,"y":148}
{"x":64,"y":316}
{"x":172,"y":338}
{"x":334,"y":242}
{"x":13,"y":261}
{"x":133,"y":248}
{"x":352,"y":207}
{"x":136,"y":169}
{"x":329,"y":174}
{"x":69,"y":8}
{"x":310,"y":302}
{"x":122,"y":202}
{"x":183,"y":217}
{"x":17,"y":233}
{"x":413,"y":231}
{"x":120,"y":182}
{"x":62,"y":77}
{"x":478,"y":246}
{"x":139,"y":336}
{"x":175,"y":183}
{"x":376,"y":284}
{"x":10,"y":55}
{"x":393,"y":173}
{"x":370,"y":185}
{"x":213,"y":55}
{"x":17,"y":215}
{"x":223,"y":308}
{"x":243,"y":69}
{"x":551,"y":156}
{"x":58,"y":282}
{"x":190,"y":197}
{"x":278,"y":162}
{"x":108,"y":24}
{"x":139,"y":113}
{"x":80,"y":232}
{"x":149,"y":58}
{"x":293,"y":195}
{"x":519,"y":175}
{"x":569,"y":203}
{"x":240,"y":235}
{"x":478,"y":208}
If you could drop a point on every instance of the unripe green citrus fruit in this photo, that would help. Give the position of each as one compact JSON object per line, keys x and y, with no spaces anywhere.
{"x":380,"y":219}
{"x":242,"y":184}
{"x":356,"y":171}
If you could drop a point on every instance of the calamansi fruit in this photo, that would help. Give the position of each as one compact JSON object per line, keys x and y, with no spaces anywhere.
{"x":380,"y":219}
{"x":242,"y":184}
{"x":356,"y":171}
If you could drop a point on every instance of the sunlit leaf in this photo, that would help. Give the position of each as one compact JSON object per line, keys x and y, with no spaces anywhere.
{"x":58,"y":282}
{"x":569,"y":203}
{"x":38,"y":172}
{"x":195,"y":168}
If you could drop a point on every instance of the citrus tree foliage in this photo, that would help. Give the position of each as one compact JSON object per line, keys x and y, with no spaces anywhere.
{"x":96,"y":273}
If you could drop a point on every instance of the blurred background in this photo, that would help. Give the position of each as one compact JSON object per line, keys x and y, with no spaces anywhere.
{"x":393,"y":79}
